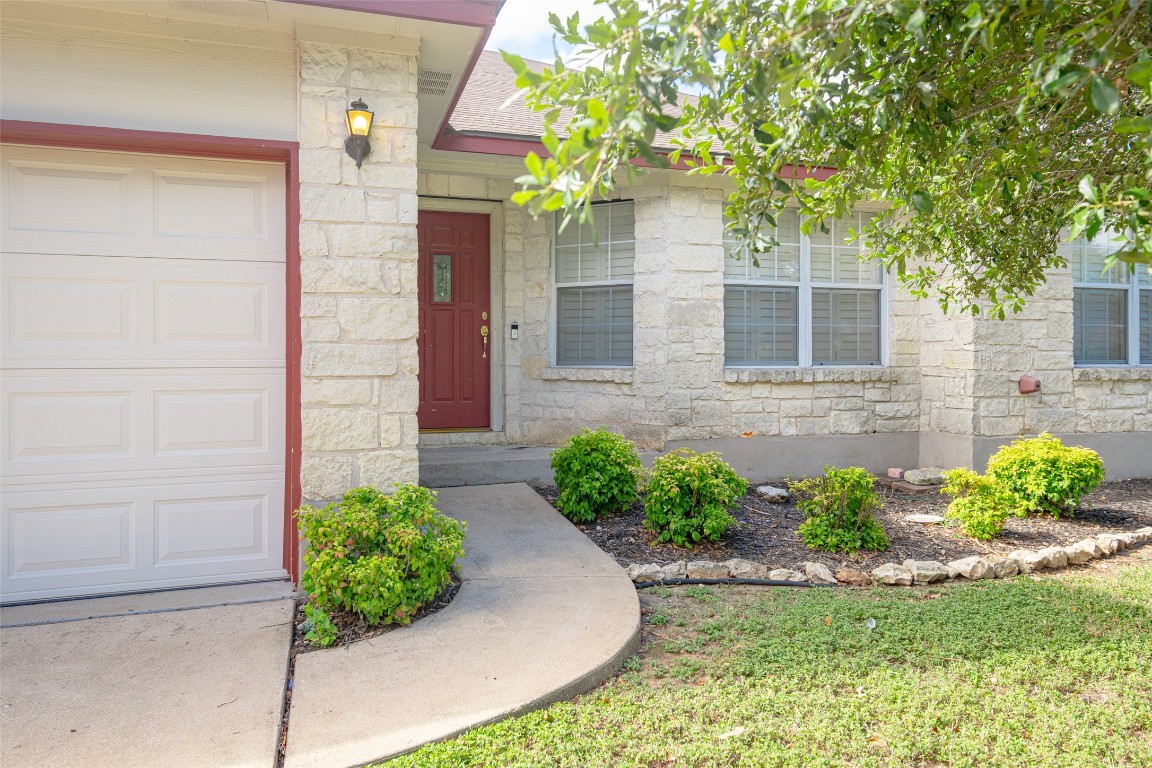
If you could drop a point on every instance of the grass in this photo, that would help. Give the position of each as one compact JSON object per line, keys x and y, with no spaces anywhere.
{"x":1052,"y":671}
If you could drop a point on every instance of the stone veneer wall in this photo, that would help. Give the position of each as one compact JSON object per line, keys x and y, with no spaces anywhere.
{"x":951,"y":382}
{"x":358,"y":269}
{"x":678,"y":388}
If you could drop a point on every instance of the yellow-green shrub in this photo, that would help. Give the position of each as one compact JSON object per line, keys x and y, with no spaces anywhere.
{"x":838,"y":509}
{"x":979,"y":503}
{"x":1044,"y":475}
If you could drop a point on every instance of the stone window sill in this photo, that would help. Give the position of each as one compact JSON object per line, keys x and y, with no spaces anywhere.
{"x":613,"y":375}
{"x":1119,"y":373}
{"x":793,"y":375}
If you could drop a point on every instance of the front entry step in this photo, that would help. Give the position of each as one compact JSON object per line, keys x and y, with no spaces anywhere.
{"x":485,"y":465}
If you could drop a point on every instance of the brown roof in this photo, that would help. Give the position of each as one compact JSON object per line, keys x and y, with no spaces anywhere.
{"x":481,"y":110}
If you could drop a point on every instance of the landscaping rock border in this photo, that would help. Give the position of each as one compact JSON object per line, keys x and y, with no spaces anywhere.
{"x":907,"y":573}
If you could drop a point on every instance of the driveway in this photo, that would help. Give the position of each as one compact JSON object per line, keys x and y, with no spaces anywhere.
{"x":157,"y":680}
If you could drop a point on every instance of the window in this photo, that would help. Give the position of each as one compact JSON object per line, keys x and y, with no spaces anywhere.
{"x":594,"y":273}
{"x":810,"y":301}
{"x":1111,"y":310}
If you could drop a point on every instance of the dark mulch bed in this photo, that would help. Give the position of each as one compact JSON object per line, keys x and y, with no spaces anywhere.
{"x":766,"y":533}
{"x":353,"y":628}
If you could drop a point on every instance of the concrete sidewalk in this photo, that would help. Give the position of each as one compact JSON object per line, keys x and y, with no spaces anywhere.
{"x":542,"y":615}
{"x":157,"y":679}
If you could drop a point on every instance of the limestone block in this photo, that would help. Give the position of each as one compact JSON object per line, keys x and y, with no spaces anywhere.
{"x":325,"y":478}
{"x":317,"y":306}
{"x":643,"y":573}
{"x":387,"y":469}
{"x":786,"y":574}
{"x":746,"y":569}
{"x":336,"y":392}
{"x":383,"y":319}
{"x":676,"y":570}
{"x":926,"y":571}
{"x":319,"y":329}
{"x":973,"y":568}
{"x":377,"y":81}
{"x":323,"y":360}
{"x":893,"y":575}
{"x":322,"y":62}
{"x":313,"y":242}
{"x":338,"y":429}
{"x":705,"y":569}
{"x":331,"y":203}
{"x":319,"y":166}
{"x":342,"y":276}
{"x":818,"y":573}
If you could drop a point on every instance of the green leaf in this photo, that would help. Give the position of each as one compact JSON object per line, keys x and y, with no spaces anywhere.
{"x":1087,"y":189}
{"x":1140,"y":74}
{"x":922,"y":201}
{"x":1126,"y":125}
{"x":915,"y":23}
{"x":726,"y":44}
{"x":1104,"y":97}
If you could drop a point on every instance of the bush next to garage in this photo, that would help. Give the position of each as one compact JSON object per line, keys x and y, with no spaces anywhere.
{"x":596,"y":473}
{"x":379,"y":556}
{"x":689,"y":497}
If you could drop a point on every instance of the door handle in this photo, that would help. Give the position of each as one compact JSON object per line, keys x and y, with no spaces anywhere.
{"x":484,"y":335}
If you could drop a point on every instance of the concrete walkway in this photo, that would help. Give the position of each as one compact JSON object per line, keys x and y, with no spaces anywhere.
{"x":184,"y":678}
{"x":542,"y":615}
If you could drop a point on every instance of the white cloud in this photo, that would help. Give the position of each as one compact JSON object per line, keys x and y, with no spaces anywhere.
{"x":522,"y":26}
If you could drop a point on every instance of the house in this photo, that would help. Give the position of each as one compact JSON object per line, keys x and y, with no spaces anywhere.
{"x":216,"y":307}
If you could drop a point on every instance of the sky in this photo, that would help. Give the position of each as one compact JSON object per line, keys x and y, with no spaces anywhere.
{"x":522,"y":26}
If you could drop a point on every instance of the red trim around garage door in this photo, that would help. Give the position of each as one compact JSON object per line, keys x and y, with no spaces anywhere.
{"x":232,"y":148}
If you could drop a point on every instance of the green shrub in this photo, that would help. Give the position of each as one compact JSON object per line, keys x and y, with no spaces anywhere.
{"x":1044,"y":475}
{"x":838,"y":511}
{"x":377,"y":555}
{"x":689,"y":496}
{"x":596,"y":473}
{"x":980,"y":503}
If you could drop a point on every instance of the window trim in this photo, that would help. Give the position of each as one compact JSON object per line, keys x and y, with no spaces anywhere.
{"x":1132,"y":290}
{"x":804,"y":286}
{"x":554,"y":295}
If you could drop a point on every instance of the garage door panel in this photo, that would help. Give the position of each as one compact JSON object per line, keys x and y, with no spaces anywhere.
{"x":68,"y":311}
{"x":85,"y":426}
{"x":210,"y":316}
{"x":115,"y":204}
{"x":84,"y":423}
{"x":199,"y":423}
{"x":100,"y":539}
{"x":211,"y":205}
{"x":55,"y":312}
{"x":71,"y":197}
{"x":211,"y":530}
{"x":143,"y":536}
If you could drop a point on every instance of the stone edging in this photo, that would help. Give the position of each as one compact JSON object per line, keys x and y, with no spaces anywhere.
{"x":911,"y":572}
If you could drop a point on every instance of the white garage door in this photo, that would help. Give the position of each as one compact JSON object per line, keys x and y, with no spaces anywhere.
{"x":143,"y":372}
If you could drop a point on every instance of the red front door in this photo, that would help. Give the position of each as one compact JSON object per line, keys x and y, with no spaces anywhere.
{"x":455,"y":321}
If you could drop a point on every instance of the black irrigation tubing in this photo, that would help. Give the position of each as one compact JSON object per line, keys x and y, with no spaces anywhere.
{"x":753,"y":582}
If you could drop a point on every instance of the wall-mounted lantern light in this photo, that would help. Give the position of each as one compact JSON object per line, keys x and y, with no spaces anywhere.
{"x":359,"y":123}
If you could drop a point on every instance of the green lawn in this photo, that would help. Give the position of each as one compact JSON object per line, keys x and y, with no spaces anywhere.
{"x":1052,"y":671}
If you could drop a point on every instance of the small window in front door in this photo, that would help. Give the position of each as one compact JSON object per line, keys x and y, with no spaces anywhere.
{"x":441,"y":278}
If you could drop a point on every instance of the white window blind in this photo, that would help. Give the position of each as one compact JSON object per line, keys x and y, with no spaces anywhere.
{"x":593,"y":303}
{"x":1111,"y":309}
{"x":809,"y":301}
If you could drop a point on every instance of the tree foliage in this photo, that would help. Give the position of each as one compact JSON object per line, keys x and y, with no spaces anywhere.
{"x":988,"y":126}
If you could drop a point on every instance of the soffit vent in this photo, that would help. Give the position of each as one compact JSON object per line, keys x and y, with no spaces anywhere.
{"x":433,"y":82}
